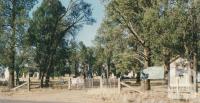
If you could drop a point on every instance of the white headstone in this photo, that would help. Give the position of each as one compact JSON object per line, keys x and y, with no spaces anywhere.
{"x":198,"y":77}
{"x":181,"y":80}
{"x":6,"y":73}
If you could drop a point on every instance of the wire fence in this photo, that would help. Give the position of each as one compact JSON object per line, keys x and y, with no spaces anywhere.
{"x":79,"y":83}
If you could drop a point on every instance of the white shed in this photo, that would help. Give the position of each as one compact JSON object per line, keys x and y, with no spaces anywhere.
{"x":154,"y":72}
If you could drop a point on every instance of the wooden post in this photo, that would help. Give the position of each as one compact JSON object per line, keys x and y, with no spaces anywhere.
{"x":69,"y":83}
{"x":92,"y":82}
{"x":101,"y":83}
{"x":119,"y":85}
{"x":146,"y":85}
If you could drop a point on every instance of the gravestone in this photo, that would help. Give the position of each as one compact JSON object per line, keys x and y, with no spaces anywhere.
{"x":182,"y":80}
{"x":198,"y":77}
{"x":36,"y":75}
{"x":4,"y":74}
{"x":2,"y":70}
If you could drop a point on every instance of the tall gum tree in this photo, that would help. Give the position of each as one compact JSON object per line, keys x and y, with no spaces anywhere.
{"x":182,"y":37}
{"x":51,"y":24}
{"x":138,"y":17}
{"x":15,"y":14}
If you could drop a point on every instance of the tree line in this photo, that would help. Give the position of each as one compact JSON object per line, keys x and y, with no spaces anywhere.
{"x":44,"y":40}
{"x":134,"y":34}
{"x":137,"y":34}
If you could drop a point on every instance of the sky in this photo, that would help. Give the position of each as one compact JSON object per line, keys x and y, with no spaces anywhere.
{"x":88,"y":32}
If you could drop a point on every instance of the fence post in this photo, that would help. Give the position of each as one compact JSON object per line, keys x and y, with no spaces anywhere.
{"x":119,"y":85}
{"x":92,"y":82}
{"x":101,"y":83}
{"x":69,"y":83}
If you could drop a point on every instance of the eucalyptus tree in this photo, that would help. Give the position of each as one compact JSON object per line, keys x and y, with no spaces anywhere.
{"x":15,"y":14}
{"x":138,"y":19}
{"x":62,"y":59}
{"x":74,"y":57}
{"x":1,"y":34}
{"x":51,"y":24}
{"x":179,"y":33}
{"x":118,"y":48}
{"x":108,"y":41}
{"x":86,"y":59}
{"x":174,"y":22}
{"x":99,"y":59}
{"x":82,"y":53}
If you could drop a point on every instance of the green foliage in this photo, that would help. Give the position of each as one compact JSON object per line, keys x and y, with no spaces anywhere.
{"x":178,"y":30}
{"x":163,"y":28}
{"x":50,"y":31}
{"x":134,"y":34}
{"x":15,"y":14}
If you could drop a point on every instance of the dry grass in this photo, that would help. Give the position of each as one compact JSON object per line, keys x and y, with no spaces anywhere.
{"x":4,"y":89}
{"x":106,"y":94}
{"x":158,"y":94}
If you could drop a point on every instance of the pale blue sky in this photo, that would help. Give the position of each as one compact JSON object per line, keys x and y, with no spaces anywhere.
{"x":88,"y":32}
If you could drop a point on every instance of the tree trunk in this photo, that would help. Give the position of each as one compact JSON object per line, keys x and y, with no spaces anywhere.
{"x":166,"y":58}
{"x":12,"y":49}
{"x":108,"y":64}
{"x":42,"y":79}
{"x":146,"y":84}
{"x":185,"y":46}
{"x":147,"y":52}
{"x":11,"y":79}
{"x":47,"y":80}
{"x":53,"y":72}
{"x":17,"y":76}
{"x":138,"y":81}
{"x":49,"y":67}
{"x":40,"y":74}
{"x":11,"y":82}
{"x":195,"y":69}
{"x":76,"y":66}
{"x":108,"y":70}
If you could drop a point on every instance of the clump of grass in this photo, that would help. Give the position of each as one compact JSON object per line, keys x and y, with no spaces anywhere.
{"x":106,"y":94}
{"x":5,"y":89}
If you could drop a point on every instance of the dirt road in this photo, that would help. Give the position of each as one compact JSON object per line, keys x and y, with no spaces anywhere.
{"x":21,"y":101}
